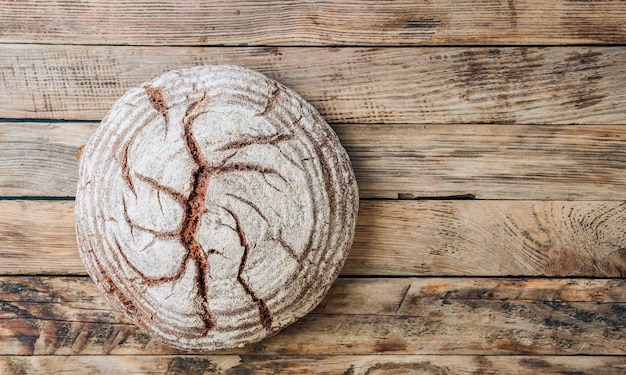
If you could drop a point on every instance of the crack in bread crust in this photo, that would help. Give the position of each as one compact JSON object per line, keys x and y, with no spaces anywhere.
{"x":194,"y":208}
{"x":264,"y":313}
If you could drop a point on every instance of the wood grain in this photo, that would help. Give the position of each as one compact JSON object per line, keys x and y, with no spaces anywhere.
{"x":488,"y":161}
{"x":390,"y":161}
{"x":424,"y":113}
{"x":313,"y":22}
{"x":447,"y":238}
{"x":331,"y":364}
{"x":39,"y":159}
{"x":66,"y":316}
{"x":554,"y":85}
{"x":490,"y":238}
{"x":38,"y":239}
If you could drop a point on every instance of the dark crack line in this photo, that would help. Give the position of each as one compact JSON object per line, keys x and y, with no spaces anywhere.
{"x":172,"y":235}
{"x":226,"y":225}
{"x":264,"y":312}
{"x":153,"y":281}
{"x":246,"y":167}
{"x":152,"y":241}
{"x":125,"y":167}
{"x":271,"y":102}
{"x":271,"y":185}
{"x":218,"y":252}
{"x":155,"y":95}
{"x":194,"y":208}
{"x":125,"y":153}
{"x":178,"y":197}
{"x":405,"y":291}
{"x":288,"y":248}
{"x":258,"y":140}
{"x":293,"y":162}
{"x":159,"y":200}
{"x":226,"y":159}
{"x":250,"y":204}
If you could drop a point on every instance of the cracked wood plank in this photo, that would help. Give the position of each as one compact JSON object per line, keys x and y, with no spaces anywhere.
{"x":479,"y":238}
{"x":351,"y":365}
{"x":313,"y":22}
{"x":535,"y":162}
{"x":503,"y":85}
{"x":471,"y":316}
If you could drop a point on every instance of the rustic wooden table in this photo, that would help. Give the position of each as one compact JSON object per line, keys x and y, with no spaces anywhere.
{"x":489,"y":143}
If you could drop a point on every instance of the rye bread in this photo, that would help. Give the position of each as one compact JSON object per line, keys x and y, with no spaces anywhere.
{"x":214,"y":207}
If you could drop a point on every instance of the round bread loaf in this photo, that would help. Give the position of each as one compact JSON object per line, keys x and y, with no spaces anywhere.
{"x":214,"y":207}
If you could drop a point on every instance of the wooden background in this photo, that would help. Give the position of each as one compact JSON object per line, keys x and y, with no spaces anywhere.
{"x":488,"y":139}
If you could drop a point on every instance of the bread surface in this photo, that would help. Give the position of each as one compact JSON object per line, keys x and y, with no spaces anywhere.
{"x":214,"y":207}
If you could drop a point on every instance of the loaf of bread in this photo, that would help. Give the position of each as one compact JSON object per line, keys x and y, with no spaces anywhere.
{"x":214,"y":207}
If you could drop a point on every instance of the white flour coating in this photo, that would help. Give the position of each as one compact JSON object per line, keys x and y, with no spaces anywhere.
{"x":214,"y":207}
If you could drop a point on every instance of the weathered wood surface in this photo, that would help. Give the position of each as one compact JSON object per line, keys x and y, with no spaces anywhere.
{"x":39,"y":159}
{"x":64,"y":316}
{"x":583,"y":85}
{"x":330,"y":364}
{"x":538,"y":162}
{"x":440,"y":238}
{"x":447,"y":118}
{"x":313,"y":22}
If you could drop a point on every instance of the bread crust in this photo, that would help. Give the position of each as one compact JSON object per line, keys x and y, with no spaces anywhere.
{"x":214,"y":207}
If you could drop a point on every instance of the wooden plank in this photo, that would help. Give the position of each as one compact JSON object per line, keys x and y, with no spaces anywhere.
{"x":38,"y":159}
{"x":38,"y":237}
{"x":390,"y":161}
{"x":447,"y":238}
{"x":488,"y":161}
{"x":313,"y":22}
{"x":362,"y":295}
{"x":352,"y":365}
{"x":583,"y":85}
{"x":44,"y":316}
